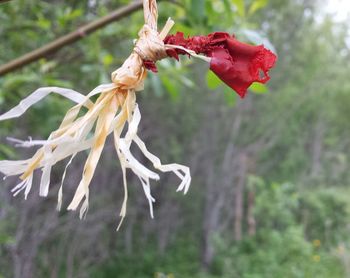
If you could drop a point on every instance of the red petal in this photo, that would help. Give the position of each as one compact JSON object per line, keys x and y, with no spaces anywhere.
{"x":232,"y":73}
{"x":237,"y":64}
{"x":248,"y":64}
{"x":150,"y":65}
{"x":255,"y":58}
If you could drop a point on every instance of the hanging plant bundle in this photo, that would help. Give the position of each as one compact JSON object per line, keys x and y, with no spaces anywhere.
{"x":235,"y":63}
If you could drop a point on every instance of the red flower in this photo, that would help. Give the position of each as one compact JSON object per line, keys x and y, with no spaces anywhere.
{"x":150,"y":65}
{"x":236,"y":63}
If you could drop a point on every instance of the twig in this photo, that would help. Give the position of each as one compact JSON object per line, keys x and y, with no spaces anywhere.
{"x":69,"y":38}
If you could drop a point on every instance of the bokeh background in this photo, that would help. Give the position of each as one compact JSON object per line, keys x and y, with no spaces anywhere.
{"x":270,"y":194}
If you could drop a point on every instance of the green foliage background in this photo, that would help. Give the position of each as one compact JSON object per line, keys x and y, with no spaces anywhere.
{"x":294,"y":131}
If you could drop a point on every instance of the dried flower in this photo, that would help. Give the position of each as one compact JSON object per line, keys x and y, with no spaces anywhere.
{"x":237,"y":64}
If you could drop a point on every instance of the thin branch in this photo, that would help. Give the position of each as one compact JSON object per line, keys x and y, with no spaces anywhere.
{"x":69,"y":38}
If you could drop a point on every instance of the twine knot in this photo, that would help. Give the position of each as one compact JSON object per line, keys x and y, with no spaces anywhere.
{"x":149,"y":46}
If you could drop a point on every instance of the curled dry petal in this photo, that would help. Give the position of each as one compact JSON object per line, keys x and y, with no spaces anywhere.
{"x":237,"y":64}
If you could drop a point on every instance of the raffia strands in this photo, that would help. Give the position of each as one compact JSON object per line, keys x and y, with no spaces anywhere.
{"x":114,"y":111}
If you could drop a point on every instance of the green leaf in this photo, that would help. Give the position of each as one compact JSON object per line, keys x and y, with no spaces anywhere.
{"x":227,"y":5}
{"x":230,"y":96}
{"x":257,"y":5}
{"x":213,"y":81}
{"x":198,"y":10}
{"x":156,"y":85}
{"x":171,"y":87}
{"x":6,"y":152}
{"x":107,"y":59}
{"x":16,"y":80}
{"x":258,"y":88}
{"x":185,"y":81}
{"x":43,"y":23}
{"x":240,"y":7}
{"x":75,"y":14}
{"x":187,"y":30}
{"x":6,"y":239}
